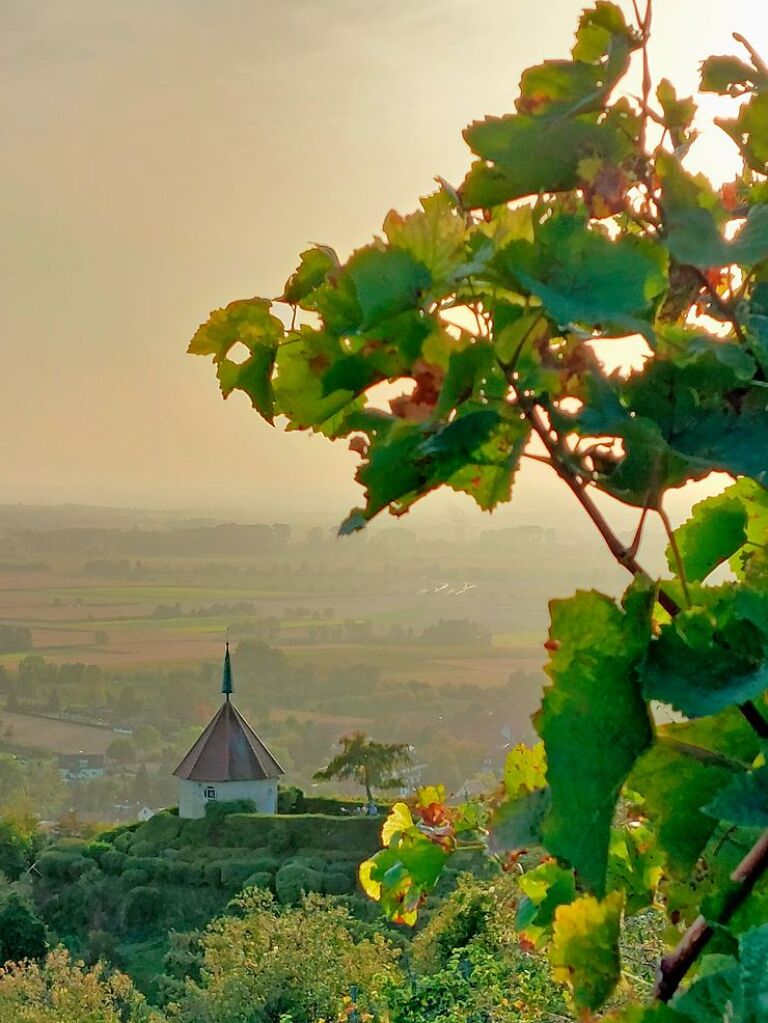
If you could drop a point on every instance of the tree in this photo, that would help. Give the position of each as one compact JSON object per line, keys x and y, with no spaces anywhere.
{"x":147,"y":738}
{"x":14,"y":638}
{"x":122,"y":751}
{"x":371,"y":764}
{"x":140,"y":787}
{"x":11,"y":775}
{"x":18,"y":839}
{"x":22,"y":932}
{"x":301,"y":963}
{"x":580,"y":235}
{"x":61,"y":991}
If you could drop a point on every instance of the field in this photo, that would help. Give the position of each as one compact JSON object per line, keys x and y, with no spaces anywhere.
{"x":30,"y":732}
{"x":430,"y":637}
{"x":117,"y":625}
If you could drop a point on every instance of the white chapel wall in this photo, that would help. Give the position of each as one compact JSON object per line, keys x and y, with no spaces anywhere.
{"x":193,"y":795}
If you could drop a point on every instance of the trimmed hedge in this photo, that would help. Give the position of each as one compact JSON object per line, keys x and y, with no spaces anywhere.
{"x":285,"y":832}
{"x":294,"y":880}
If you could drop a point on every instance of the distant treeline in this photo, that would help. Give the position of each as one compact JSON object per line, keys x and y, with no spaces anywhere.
{"x":14,"y":639}
{"x":227,"y":539}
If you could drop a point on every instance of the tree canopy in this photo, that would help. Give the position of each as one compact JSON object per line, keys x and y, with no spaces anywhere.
{"x":371,"y":764}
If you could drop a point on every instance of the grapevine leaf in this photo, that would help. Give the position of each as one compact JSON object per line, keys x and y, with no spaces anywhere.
{"x":706,"y":1000}
{"x":658,"y":1013}
{"x":523,"y":155}
{"x":635,"y":866}
{"x":583,"y":277}
{"x":312,"y":271}
{"x":678,"y":113}
{"x":694,"y":239}
{"x":726,"y":736}
{"x":254,"y":376}
{"x":477,"y":452}
{"x":525,"y":769}
{"x":584,"y":952}
{"x":743,"y":801}
{"x":300,"y":393}
{"x":753,"y":956}
{"x":544,"y":888}
{"x":737,"y":991}
{"x":750,"y":130}
{"x":600,"y":27}
{"x":400,"y":875}
{"x":516,"y":824}
{"x":709,"y":658}
{"x":399,"y":820}
{"x":721,"y":74}
{"x":248,"y":321}
{"x":434,"y":235}
{"x":676,"y":785}
{"x":713,"y":533}
{"x":594,"y":704}
{"x":387,"y":281}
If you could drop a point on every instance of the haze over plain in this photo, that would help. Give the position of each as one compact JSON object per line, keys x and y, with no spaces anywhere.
{"x":161,"y":159}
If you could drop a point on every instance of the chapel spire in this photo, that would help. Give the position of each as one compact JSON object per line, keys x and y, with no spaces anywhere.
{"x":226,"y":678}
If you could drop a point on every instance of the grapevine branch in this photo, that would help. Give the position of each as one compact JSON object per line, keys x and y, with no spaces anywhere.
{"x":624,"y":555}
{"x":674,"y":967}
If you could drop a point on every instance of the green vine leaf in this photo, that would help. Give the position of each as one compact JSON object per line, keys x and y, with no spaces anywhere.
{"x":594,"y":704}
{"x":712,"y":656}
{"x":743,"y":801}
{"x":713,"y":533}
{"x":676,"y":783}
{"x":583,"y":277}
{"x":315,"y":266}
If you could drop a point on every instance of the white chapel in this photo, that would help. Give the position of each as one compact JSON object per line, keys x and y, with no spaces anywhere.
{"x":229,"y":761}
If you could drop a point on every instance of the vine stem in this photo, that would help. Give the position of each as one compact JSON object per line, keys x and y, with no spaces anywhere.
{"x":675,"y":966}
{"x":624,"y":555}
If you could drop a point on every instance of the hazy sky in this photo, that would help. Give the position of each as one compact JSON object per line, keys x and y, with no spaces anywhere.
{"x":159,"y":158}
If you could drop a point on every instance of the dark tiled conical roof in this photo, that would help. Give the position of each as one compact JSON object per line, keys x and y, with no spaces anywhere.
{"x":228,"y":750}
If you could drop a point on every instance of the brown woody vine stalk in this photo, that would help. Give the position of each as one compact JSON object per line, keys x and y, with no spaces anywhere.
{"x":673,"y":967}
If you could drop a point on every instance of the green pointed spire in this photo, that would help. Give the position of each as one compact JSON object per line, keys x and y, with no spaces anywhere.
{"x":226,"y":678}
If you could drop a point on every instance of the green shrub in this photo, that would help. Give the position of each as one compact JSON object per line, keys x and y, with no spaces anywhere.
{"x":234,"y":873}
{"x":339,"y":882}
{"x":294,"y":880}
{"x":162,"y":829}
{"x":216,"y":809}
{"x":301,"y":831}
{"x":265,"y":864}
{"x":183,"y":873}
{"x":134,"y":878}
{"x":143,"y":847}
{"x":142,"y":906}
{"x":212,"y":873}
{"x":319,"y":863}
{"x":122,"y":842}
{"x":65,"y":866}
{"x":112,"y":862}
{"x":98,"y":849}
{"x":291,"y":799}
{"x":260,"y":879}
